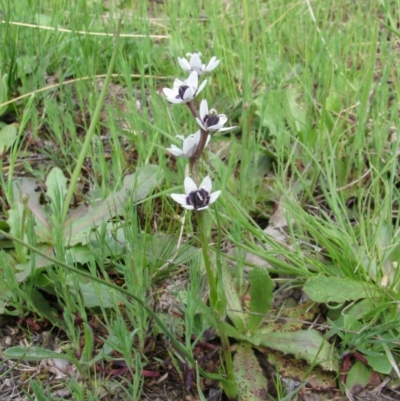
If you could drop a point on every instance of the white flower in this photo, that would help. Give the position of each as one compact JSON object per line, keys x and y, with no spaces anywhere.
{"x":195,"y":63}
{"x":189,"y":146}
{"x":196,"y":198}
{"x":211,"y":121}
{"x":184,"y":91}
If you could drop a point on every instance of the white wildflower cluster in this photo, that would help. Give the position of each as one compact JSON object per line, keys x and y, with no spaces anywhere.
{"x":209,"y":121}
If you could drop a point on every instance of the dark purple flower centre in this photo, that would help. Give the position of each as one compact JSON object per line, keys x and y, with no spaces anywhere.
{"x":198,"y":199}
{"x":210,"y":120}
{"x":182,"y":90}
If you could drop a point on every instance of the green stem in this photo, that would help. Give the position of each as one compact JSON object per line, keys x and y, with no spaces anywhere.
{"x":92,"y":127}
{"x":230,"y":387}
{"x":207,"y":262}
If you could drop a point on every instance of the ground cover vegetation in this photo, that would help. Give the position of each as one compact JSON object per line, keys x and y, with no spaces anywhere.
{"x":281,"y":281}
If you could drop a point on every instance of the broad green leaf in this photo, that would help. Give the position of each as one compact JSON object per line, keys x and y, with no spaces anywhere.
{"x":368,"y":264}
{"x":16,"y":220}
{"x":357,"y":377}
{"x":43,"y":19}
{"x":81,"y":253}
{"x":111,"y":244}
{"x":303,"y":344}
{"x":44,"y":309}
{"x":24,"y":186}
{"x":56,"y":184}
{"x":231,"y":331}
{"x":162,"y":248}
{"x":234,"y":304}
{"x":33,"y":354}
{"x":142,"y":182}
{"x":351,"y":324}
{"x":294,"y":109}
{"x":210,"y":319}
{"x":261,"y":296}
{"x":289,"y":367}
{"x":251,"y":382}
{"x":292,"y":318}
{"x":26,"y":65}
{"x":333,"y":101}
{"x":361,"y":308}
{"x":94,"y":294}
{"x":175,"y":323}
{"x":136,"y":187}
{"x":324,"y":289}
{"x":37,"y":261}
{"x":8,"y":135}
{"x":379,"y":363}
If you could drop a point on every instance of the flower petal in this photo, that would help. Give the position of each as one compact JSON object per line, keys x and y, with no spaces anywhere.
{"x":202,"y":126}
{"x":193,"y":80}
{"x":202,"y":208}
{"x":188,"y":207}
{"x":195,"y":62}
{"x":201,"y":87}
{"x":222,"y":119}
{"x":215,"y":127}
{"x":212,"y":65}
{"x":227,"y":129}
{"x":190,"y":185}
{"x":203,"y":109}
{"x":197,"y":136}
{"x":174,"y":100}
{"x":172,"y":95}
{"x":175,"y":151}
{"x":214,"y":196}
{"x":169,"y":92}
{"x":189,"y":94}
{"x":206,"y":184}
{"x":178,"y":83}
{"x":189,"y":146}
{"x":180,"y":198}
{"x":184,"y":64}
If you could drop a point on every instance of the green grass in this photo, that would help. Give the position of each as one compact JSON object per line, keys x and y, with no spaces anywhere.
{"x":313,"y":88}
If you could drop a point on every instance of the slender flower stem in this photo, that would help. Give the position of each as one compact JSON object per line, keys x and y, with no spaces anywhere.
{"x":207,"y":262}
{"x":213,"y":303}
{"x":194,"y":170}
{"x":192,"y":107}
{"x":193,"y":161}
{"x":202,"y":144}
